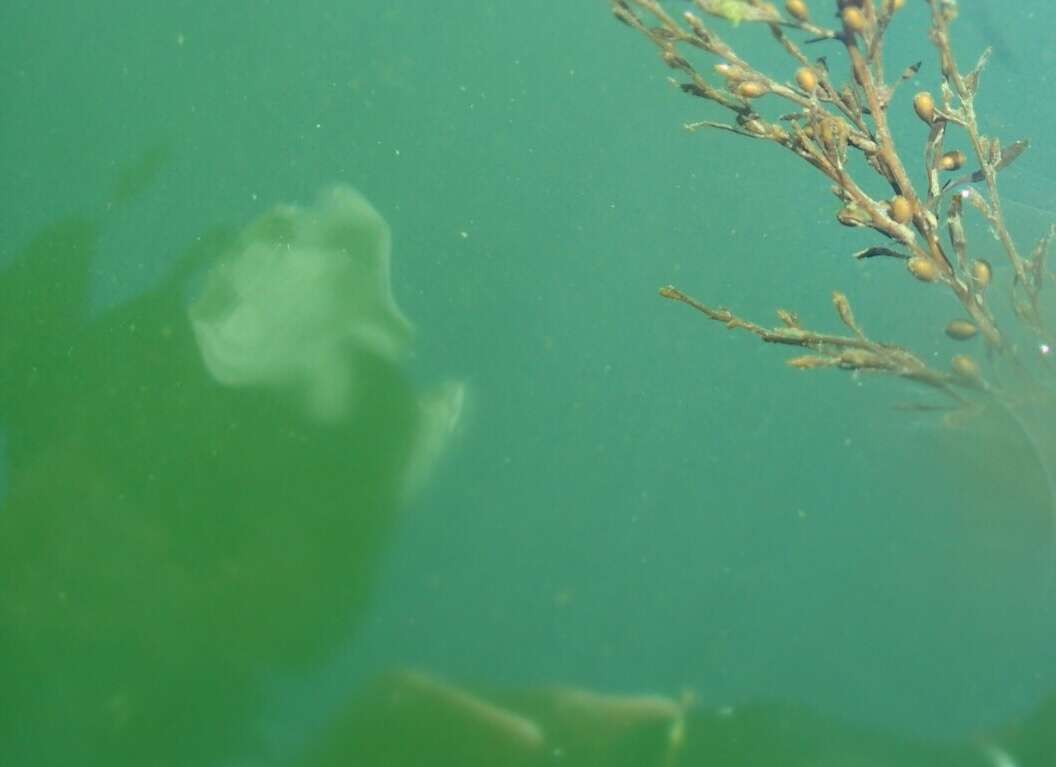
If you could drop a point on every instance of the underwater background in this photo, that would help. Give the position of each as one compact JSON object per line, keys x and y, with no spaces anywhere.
{"x":611,"y":496}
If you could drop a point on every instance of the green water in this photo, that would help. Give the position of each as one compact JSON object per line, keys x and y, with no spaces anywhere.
{"x":342,"y":423}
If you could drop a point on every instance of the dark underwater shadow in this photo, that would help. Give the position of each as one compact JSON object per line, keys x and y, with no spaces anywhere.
{"x":166,"y":537}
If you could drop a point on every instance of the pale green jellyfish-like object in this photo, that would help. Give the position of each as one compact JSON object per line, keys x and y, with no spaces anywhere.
{"x":300,"y":293}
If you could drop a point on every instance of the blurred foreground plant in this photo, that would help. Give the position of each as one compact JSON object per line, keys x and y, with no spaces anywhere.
{"x":838,"y":124}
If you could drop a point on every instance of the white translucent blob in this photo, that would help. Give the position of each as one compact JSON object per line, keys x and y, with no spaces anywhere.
{"x":301,"y":292}
{"x":440,"y":412}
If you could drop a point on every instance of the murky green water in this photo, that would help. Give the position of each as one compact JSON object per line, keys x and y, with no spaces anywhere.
{"x":342,"y":422}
